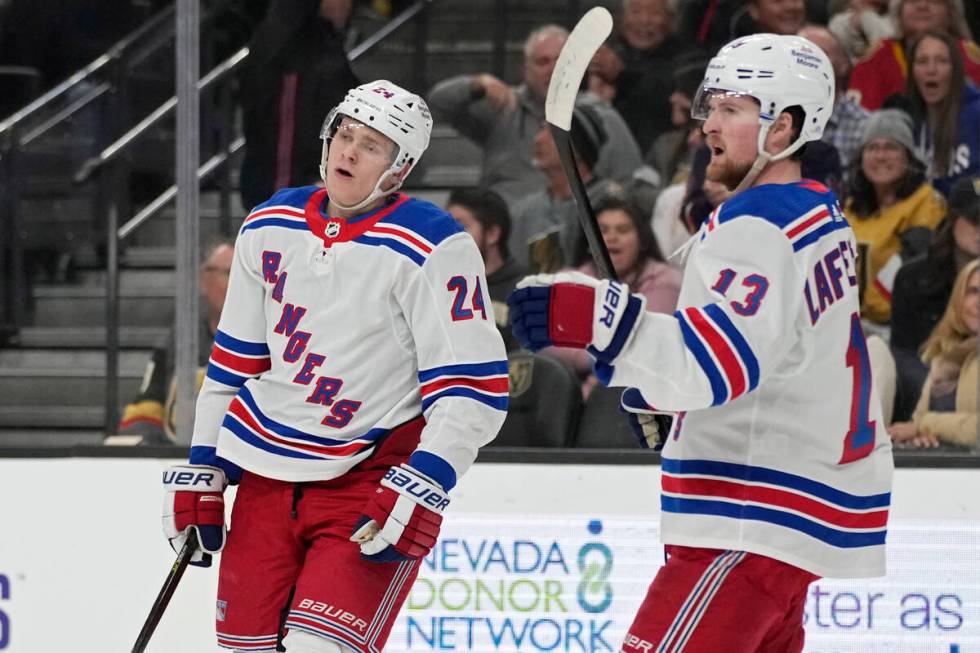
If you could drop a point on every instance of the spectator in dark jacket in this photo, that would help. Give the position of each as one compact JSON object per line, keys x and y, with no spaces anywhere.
{"x":946,"y":109}
{"x":296,"y":72}
{"x":922,"y":289}
{"x":633,"y":70}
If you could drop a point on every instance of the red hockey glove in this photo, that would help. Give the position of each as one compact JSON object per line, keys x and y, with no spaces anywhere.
{"x":195,"y":499}
{"x":571,"y":309}
{"x":402,"y":519}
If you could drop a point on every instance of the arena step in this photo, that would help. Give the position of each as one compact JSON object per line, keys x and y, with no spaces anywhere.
{"x":69,"y":337}
{"x":85,"y":306}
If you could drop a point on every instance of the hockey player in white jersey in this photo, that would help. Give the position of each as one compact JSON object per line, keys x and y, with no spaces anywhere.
{"x":355,"y":373}
{"x":777,"y":469}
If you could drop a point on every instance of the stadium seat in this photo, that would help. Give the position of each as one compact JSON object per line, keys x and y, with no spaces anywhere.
{"x":603,"y":426}
{"x":545,"y":403}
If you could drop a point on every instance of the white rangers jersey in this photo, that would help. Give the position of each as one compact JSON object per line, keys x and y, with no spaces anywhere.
{"x":336,"y":331}
{"x":778,"y":446}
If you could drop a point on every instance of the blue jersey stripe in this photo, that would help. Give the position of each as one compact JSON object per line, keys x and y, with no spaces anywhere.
{"x":817,"y":234}
{"x":424,"y":219}
{"x":299,"y":225}
{"x":500,"y":403}
{"x":745,"y":352}
{"x":493,"y":368}
{"x":749,"y":473}
{"x":240,"y":346}
{"x":393,"y":244}
{"x":289,"y":432}
{"x":245,"y":434}
{"x":832,"y":536}
{"x":718,"y":388}
{"x":225,"y":377}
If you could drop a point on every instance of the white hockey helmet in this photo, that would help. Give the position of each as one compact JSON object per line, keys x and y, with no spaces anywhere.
{"x":398,"y":114}
{"x":778,"y":71}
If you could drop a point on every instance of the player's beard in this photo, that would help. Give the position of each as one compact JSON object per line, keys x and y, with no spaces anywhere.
{"x":730,"y":173}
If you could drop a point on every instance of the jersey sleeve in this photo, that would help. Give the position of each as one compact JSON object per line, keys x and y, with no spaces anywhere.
{"x":240,"y":351}
{"x":461,"y":359}
{"x":735,"y":320}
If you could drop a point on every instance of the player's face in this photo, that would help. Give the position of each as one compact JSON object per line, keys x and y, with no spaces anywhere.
{"x":468,"y":221}
{"x":932,"y":70}
{"x":917,"y":16}
{"x":731,"y":132}
{"x":621,"y":238}
{"x":778,"y":16}
{"x":645,"y":23}
{"x":970,"y":310}
{"x":884,"y":162}
{"x":357,"y":158}
{"x":966,"y":235}
{"x":214,"y":277}
{"x":539,"y":63}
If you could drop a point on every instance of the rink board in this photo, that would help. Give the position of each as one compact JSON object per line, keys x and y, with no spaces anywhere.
{"x":532,"y":558}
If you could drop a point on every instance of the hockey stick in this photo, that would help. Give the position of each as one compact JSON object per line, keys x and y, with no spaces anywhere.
{"x":167,"y":591}
{"x":582,"y":44}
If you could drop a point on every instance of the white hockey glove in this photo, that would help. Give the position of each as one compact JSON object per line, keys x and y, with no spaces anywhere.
{"x":402,"y":519}
{"x":194,"y":499}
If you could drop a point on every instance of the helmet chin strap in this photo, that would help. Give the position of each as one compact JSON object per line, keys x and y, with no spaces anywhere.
{"x":763,"y":158}
{"x":376,"y":193}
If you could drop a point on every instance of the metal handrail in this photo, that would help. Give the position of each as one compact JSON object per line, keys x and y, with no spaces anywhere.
{"x":389,"y":27}
{"x":203,"y":172}
{"x":114,"y":149}
{"x":64,"y":114}
{"x":98,"y":64}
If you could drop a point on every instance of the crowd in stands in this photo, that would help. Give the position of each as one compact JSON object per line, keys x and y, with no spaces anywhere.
{"x":902,"y":151}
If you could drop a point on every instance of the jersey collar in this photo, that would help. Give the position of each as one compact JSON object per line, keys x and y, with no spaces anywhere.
{"x":338,"y":230}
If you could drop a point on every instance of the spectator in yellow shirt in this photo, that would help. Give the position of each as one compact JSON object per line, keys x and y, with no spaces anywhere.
{"x":891,"y":207}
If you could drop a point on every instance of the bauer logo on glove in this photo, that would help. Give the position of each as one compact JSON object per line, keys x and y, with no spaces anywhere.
{"x":571,"y":309}
{"x":402,"y":519}
{"x":194,"y":499}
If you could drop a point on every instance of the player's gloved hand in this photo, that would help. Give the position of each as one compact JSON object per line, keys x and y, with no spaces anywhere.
{"x":194,"y":499}
{"x":402,"y":519}
{"x":649,"y":426}
{"x":571,"y":309}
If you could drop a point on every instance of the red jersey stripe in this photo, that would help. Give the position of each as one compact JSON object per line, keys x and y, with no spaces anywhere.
{"x":496,"y":384}
{"x":775,"y":498}
{"x":722,"y":350}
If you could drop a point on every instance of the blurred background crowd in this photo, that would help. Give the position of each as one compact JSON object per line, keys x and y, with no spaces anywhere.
{"x":901,"y":150}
